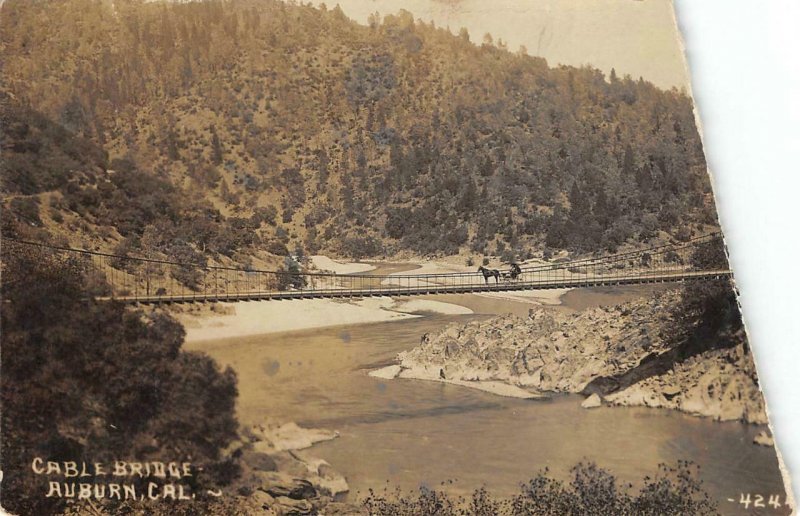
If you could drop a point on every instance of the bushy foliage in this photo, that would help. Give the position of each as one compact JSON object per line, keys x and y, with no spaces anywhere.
{"x":708,"y":315}
{"x":289,"y":276}
{"x":155,"y":218}
{"x":358,"y":247}
{"x":673,"y":491}
{"x":26,"y":210}
{"x":397,"y":130}
{"x":39,"y":155}
{"x":710,"y":255}
{"x":87,"y":380}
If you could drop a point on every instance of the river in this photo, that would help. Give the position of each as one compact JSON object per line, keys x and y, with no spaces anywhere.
{"x":412,"y":433}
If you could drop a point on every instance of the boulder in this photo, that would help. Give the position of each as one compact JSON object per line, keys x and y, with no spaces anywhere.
{"x":670,"y":391}
{"x":262,"y":499}
{"x":387,"y":373}
{"x":296,"y":489}
{"x":290,"y":507}
{"x":290,"y":466}
{"x":259,"y":461}
{"x":592,"y":401}
{"x":764,"y":439}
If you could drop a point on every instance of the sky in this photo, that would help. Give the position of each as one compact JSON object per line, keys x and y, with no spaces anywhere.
{"x":636,"y":37}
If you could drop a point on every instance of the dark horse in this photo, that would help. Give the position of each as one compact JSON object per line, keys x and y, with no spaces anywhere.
{"x":488,"y":273}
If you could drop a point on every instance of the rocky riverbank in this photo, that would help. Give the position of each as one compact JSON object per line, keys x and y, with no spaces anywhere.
{"x":618,"y":354}
{"x":277,"y":479}
{"x":721,"y":384}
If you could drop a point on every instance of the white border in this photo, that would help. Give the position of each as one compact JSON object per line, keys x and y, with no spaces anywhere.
{"x":744,"y":59}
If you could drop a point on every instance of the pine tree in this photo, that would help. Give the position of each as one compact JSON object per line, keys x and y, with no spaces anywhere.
{"x":216,"y":148}
{"x":628,"y":165}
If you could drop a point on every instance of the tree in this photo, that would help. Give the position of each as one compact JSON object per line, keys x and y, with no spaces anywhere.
{"x":708,"y":315}
{"x":290,"y":275}
{"x":87,"y":380}
{"x":628,"y":165}
{"x":522,"y":131}
{"x":299,"y":253}
{"x":374,"y":20}
{"x":216,"y":147}
{"x":601,"y":208}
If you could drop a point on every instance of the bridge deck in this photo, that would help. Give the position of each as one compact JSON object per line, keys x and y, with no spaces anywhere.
{"x":398,"y":290}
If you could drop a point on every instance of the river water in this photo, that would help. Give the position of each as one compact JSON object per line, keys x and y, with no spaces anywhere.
{"x":412,"y":433}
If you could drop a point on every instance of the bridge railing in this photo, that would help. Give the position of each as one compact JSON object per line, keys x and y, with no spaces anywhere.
{"x":141,"y":278}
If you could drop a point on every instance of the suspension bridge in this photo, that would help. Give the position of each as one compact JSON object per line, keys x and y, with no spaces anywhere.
{"x":133,"y":279}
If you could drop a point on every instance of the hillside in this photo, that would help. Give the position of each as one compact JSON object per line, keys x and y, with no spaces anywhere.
{"x":65,"y":190}
{"x":297,"y":127}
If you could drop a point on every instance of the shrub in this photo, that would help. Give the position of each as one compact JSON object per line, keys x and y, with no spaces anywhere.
{"x":710,"y":255}
{"x":264,"y":215}
{"x":674,"y":491}
{"x":508,"y":256}
{"x":27,"y":210}
{"x":289,"y":275}
{"x":277,"y":247}
{"x":673,"y":257}
{"x":360,"y":247}
{"x":683,"y":233}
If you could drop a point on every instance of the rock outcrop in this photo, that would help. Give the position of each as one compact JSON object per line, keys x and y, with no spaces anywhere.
{"x":593,"y":401}
{"x":720,"y":384}
{"x":764,"y":439}
{"x":276,"y":480}
{"x":618,"y":353}
{"x":549,"y":350}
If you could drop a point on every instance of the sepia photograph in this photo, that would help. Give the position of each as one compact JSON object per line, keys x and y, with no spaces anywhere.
{"x":369,"y":257}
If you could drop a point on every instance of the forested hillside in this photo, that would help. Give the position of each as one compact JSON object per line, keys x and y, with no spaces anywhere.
{"x":65,"y":189}
{"x":256,"y":126}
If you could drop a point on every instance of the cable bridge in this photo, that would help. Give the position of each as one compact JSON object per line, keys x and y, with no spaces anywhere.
{"x":146,"y":280}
